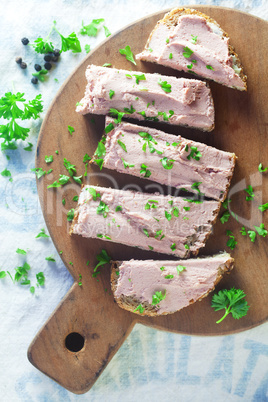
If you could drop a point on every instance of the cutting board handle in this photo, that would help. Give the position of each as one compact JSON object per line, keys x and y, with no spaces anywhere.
{"x":78,"y":341}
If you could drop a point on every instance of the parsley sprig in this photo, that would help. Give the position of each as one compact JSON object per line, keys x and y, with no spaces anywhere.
{"x":128,"y":53}
{"x":232,"y":301}
{"x":14,"y":107}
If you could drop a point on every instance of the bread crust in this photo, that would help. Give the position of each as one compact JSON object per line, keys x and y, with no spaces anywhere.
{"x":171,"y":19}
{"x":131,"y":303}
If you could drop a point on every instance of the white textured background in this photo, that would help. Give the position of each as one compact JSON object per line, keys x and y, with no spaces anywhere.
{"x":151,"y":364}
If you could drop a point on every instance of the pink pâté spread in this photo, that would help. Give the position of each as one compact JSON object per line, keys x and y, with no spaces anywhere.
{"x":194,"y":45}
{"x":181,"y":281}
{"x":145,"y":96}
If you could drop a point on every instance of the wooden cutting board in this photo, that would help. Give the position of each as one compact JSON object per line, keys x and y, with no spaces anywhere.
{"x":88,"y":327}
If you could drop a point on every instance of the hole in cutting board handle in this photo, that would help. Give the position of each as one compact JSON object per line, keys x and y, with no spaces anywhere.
{"x":74,"y":342}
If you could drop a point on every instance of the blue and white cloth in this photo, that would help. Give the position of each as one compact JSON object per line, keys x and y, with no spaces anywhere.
{"x":151,"y":364}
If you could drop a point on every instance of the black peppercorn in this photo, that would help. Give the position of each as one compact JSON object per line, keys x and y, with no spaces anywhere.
{"x":34,"y":80}
{"x":47,"y":57}
{"x":25,"y":41}
{"x":54,"y":58}
{"x":23,"y":65}
{"x":48,"y":66}
{"x":37,"y":67}
{"x":56,"y":52}
{"x":18,"y":60}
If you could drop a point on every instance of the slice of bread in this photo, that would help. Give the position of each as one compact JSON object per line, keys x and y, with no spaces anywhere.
{"x":181,"y":282}
{"x":210,"y":54}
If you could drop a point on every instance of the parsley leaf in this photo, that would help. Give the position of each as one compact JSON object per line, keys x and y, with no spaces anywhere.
{"x":180,"y":269}
{"x":103,"y":209}
{"x":70,"y":215}
{"x":139,"y":308}
{"x":231,"y":242}
{"x":194,"y":39}
{"x":42,"y":234}
{"x":71,"y":168}
{"x":20,"y":251}
{"x":251,"y":195}
{"x":41,"y":74}
{"x":252,"y":235}
{"x":92,"y":28}
{"x":118,"y":208}
{"x":126,"y":164}
{"x":49,"y":159}
{"x":225,"y":217}
{"x":139,"y":77}
{"x":122,"y":145}
{"x":111,"y":94}
{"x":144,"y":171}
{"x":145,"y":231}
{"x":128,"y":53}
{"x":167,"y":164}
{"x":261,"y":169}
{"x":103,"y":259}
{"x":232,"y":301}
{"x":187,"y":52}
{"x":209,"y":67}
{"x":106,"y":31}
{"x":71,"y":130}
{"x":87,"y":49}
{"x":164,"y":85}
{"x":263,"y":207}
{"x":93,"y":192}
{"x":40,"y":277}
{"x":195,"y":154}
{"x":12,"y":108}
{"x":50,"y":258}
{"x":261,"y":230}
{"x":158,"y":297}
{"x":29,"y":147}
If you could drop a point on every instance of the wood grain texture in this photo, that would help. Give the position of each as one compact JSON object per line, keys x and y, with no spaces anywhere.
{"x":241,"y":127}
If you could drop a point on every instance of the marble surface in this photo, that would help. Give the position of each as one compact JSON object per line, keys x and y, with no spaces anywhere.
{"x":150,"y":364}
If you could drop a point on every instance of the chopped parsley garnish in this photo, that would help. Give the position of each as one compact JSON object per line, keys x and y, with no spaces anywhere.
{"x":164,"y":85}
{"x":144,"y":171}
{"x":126,"y":164}
{"x":109,"y":128}
{"x":151,"y":248}
{"x":50,"y":258}
{"x":195,"y":154}
{"x":10,"y":110}
{"x":261,"y":230}
{"x":101,"y":150}
{"x":252,"y":235}
{"x":180,"y":269}
{"x":21,"y":251}
{"x":225,"y":203}
{"x":129,"y":111}
{"x":71,"y":168}
{"x":150,"y":49}
{"x":92,"y":28}
{"x":261,"y":169}
{"x":71,"y":130}
{"x":167,"y":164}
{"x":263,"y":207}
{"x":187,"y":52}
{"x":111,"y":93}
{"x":190,"y":66}
{"x":158,"y":296}
{"x":232,"y":301}
{"x":243,"y":231}
{"x":225,"y":217}
{"x":70,"y":215}
{"x":186,"y":246}
{"x":80,"y":280}
{"x":103,"y":259}
{"x":75,"y":199}
{"x":86,"y":158}
{"x":106,"y":31}
{"x":231,"y":242}
{"x":87,"y":48}
{"x":174,"y":210}
{"x":209,"y":67}
{"x":195,"y":186}
{"x":170,"y":56}
{"x":139,"y":77}
{"x":194,"y":39}
{"x":145,"y":231}
{"x":42,"y":234}
{"x":122,"y":145}
{"x":118,"y":208}
{"x":139,"y":308}
{"x":116,"y":113}
{"x":93,"y":192}
{"x":128,"y":53}
{"x":103,"y":209}
{"x":169,"y":276}
{"x":29,"y":147}
{"x":173,"y":246}
{"x":149,"y":140}
{"x":167,"y":40}
{"x":250,"y":192}
{"x":106,"y":65}
{"x":99,"y":162}
{"x":7,"y":173}
{"x":49,"y":159}
{"x":175,"y":144}
{"x":186,"y":208}
{"x":151,"y":204}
